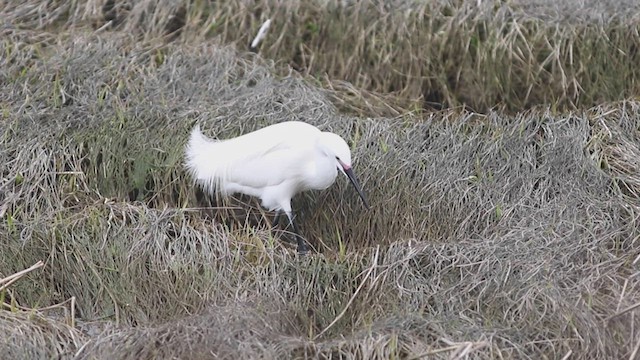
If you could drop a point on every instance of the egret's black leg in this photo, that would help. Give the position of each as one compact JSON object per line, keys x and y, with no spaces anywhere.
{"x":302,"y":246}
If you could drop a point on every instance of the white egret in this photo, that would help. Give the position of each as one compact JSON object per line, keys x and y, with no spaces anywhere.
{"x":273,"y":163}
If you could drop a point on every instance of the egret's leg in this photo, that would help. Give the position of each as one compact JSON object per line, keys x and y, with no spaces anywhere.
{"x":302,"y":246}
{"x":276,"y":219}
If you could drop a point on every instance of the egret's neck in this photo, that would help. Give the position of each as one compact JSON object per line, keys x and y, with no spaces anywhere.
{"x":321,"y":172}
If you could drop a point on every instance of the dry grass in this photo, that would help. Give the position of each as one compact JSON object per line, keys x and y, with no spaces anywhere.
{"x":33,"y":336}
{"x":417,"y":55}
{"x":489,"y":235}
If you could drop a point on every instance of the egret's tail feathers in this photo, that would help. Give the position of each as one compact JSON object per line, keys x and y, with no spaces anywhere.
{"x":204,"y":160}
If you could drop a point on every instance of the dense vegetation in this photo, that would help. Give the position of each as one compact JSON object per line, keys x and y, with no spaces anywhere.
{"x":503,"y":225}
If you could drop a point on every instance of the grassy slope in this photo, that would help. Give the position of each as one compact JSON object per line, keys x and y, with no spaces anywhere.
{"x":502,"y":235}
{"x":417,"y":54}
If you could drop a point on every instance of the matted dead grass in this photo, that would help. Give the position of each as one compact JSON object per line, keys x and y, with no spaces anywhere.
{"x":489,"y":235}
{"x":415,"y":54}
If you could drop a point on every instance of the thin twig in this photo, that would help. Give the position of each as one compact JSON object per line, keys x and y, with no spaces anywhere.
{"x":15,"y":277}
{"x":460,"y":350}
{"x":373,"y":266}
{"x":635,"y":350}
{"x":630,"y":308}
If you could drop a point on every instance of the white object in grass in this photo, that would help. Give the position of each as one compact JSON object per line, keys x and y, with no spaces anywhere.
{"x":261,"y":34}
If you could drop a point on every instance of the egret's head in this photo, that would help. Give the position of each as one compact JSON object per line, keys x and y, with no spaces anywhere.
{"x":335,"y":146}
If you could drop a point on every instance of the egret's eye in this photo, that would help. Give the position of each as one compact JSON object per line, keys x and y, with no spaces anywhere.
{"x":337,"y":158}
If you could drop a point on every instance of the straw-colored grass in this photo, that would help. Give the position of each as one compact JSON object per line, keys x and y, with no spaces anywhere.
{"x":415,"y":54}
{"x":490,"y":235}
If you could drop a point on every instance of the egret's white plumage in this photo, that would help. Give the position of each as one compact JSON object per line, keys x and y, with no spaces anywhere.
{"x":273,"y":163}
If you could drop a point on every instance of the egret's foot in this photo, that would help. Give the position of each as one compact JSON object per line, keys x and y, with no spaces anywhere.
{"x":288,"y":240}
{"x":303,"y":249}
{"x":282,"y":237}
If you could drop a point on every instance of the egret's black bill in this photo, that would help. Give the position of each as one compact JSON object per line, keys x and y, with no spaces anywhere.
{"x":356,"y":184}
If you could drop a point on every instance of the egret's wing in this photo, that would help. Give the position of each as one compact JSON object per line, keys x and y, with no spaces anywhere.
{"x":260,"y":158}
{"x":274,"y":166}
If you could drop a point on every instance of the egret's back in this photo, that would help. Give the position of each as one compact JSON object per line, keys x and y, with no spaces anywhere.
{"x":284,"y":134}
{"x":251,"y":162}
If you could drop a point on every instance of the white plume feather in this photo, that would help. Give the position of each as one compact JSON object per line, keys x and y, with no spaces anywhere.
{"x":261,"y":33}
{"x":204,"y":161}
